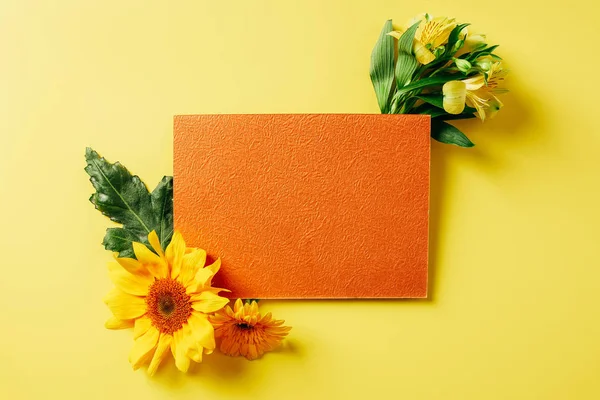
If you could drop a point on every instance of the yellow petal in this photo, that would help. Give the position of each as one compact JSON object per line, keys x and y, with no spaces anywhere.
{"x":179,"y":348}
{"x":195,"y":353}
{"x":395,"y":34}
{"x":142,"y":325}
{"x":143,"y":348}
{"x":208,"y":302}
{"x":175,"y":252}
{"x":156,"y":265}
{"x":192,"y":262}
{"x":132,"y":265}
{"x":455,"y":93}
{"x":477,"y":103}
{"x":164,"y":344}
{"x":124,"y":305}
{"x":133,"y":284}
{"x":239,"y":305}
{"x":115,"y":323}
{"x":202,"y":330}
{"x":422,"y":54}
{"x":216,"y":266}
{"x":155,"y":243}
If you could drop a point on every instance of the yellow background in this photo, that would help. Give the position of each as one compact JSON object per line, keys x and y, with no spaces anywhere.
{"x":515,"y":289}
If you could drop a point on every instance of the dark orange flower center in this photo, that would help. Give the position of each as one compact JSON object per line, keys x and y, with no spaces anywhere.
{"x":168,"y":305}
{"x":244,"y":326}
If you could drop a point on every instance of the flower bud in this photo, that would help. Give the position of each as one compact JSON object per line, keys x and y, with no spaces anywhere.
{"x":455,"y":93}
{"x":463,"y":65}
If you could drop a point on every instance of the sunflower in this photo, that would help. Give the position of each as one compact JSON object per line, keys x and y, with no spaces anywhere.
{"x":166,"y":297}
{"x":243,"y":332}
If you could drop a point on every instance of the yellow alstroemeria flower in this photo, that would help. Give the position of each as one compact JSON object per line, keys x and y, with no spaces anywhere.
{"x":431,"y":34}
{"x":166,"y":297}
{"x":471,"y":42}
{"x":476,"y":93}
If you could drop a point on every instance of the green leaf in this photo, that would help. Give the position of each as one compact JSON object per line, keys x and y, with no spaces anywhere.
{"x":382,"y":67}
{"x":422,"y":83}
{"x":455,"y":34}
{"x":162,"y":204}
{"x":124,"y":199}
{"x":479,"y":53}
{"x":446,"y":133}
{"x":433,"y":99}
{"x":406,"y":64}
{"x":405,"y":43}
{"x":119,"y":240}
{"x":451,"y":117}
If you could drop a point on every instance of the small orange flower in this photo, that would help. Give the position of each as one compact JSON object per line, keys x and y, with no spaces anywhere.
{"x":242,"y":331}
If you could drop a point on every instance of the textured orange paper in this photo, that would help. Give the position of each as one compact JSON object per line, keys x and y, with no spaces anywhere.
{"x":307,"y":206}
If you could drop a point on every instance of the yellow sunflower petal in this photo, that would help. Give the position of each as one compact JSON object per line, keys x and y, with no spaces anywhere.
{"x":156,"y":265}
{"x":192,"y":262}
{"x":195,"y":353}
{"x":143,"y":347}
{"x":179,"y":347}
{"x":133,"y":284}
{"x":124,"y":305}
{"x":208,"y":302}
{"x":175,"y":252}
{"x":132,"y":265}
{"x":215,"y":267}
{"x":201,"y":279}
{"x":202,"y":330}
{"x":164,"y":344}
{"x":155,"y":243}
{"x":115,"y":323}
{"x":142,"y":325}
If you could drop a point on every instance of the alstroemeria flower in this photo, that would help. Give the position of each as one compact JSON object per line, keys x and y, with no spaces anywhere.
{"x":431,"y":34}
{"x":476,"y":92}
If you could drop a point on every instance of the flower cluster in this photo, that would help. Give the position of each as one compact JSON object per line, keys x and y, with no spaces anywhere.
{"x":435,"y":66}
{"x":168,"y":299}
{"x":163,"y":289}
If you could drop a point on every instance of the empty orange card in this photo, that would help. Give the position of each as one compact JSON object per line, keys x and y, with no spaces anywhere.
{"x":307,"y":206}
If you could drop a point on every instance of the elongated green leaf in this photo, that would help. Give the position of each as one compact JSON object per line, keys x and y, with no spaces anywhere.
{"x":382,"y":67}
{"x":455,"y":34}
{"x":446,"y":133}
{"x":433,"y":99}
{"x":423,"y":83}
{"x":405,"y":43}
{"x":406,"y":64}
{"x":124,"y":198}
{"x":480,"y":53}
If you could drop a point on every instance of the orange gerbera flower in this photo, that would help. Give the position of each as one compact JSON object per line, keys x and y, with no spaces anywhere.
{"x":166,"y":297}
{"x":243,"y":332}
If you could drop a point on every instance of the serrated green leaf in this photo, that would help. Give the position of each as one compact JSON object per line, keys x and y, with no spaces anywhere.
{"x":119,"y":240}
{"x":446,"y":133}
{"x":382,"y":67}
{"x":124,"y":198}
